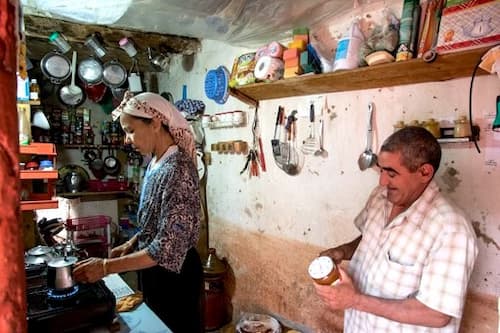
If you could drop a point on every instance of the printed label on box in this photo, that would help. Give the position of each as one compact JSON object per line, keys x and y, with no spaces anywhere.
{"x":469,"y":25}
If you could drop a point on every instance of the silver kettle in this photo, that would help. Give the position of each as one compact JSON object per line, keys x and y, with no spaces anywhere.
{"x":73,"y":182}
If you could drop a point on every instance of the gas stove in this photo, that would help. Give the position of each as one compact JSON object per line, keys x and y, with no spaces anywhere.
{"x":76,"y":310}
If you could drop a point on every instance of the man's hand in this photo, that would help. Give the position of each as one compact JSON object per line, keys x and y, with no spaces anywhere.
{"x":341,"y":295}
{"x":337,"y":254}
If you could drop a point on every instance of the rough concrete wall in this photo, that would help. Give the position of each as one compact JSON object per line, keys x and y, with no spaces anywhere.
{"x":315,"y":209}
{"x":269,"y":275}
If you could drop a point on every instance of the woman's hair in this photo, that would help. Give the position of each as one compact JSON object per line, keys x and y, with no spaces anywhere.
{"x":416,"y":145}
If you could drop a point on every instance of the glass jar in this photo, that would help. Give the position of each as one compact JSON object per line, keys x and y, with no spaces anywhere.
{"x":433,"y":126}
{"x":462,"y":128}
{"x":399,"y":125}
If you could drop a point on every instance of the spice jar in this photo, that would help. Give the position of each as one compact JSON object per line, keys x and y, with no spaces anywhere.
{"x":399,"y":125}
{"x":415,"y":123}
{"x":323,"y":270}
{"x":433,"y":126}
{"x":462,"y":128}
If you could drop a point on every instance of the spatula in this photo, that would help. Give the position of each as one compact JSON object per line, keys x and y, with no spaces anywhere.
{"x":275,"y":142}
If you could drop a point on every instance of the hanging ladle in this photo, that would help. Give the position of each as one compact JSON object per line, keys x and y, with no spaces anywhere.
{"x":367,"y":159}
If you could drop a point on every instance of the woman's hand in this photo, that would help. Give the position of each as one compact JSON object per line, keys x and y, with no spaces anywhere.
{"x":122,"y":250}
{"x":89,"y":270}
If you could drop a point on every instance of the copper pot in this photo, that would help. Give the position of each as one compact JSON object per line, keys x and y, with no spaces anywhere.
{"x":60,"y":273}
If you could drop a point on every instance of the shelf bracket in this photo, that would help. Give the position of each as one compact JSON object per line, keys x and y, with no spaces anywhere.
{"x":244,"y":98}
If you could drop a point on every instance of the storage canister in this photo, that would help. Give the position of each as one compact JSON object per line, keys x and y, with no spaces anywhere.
{"x":433,"y":126}
{"x":462,"y":128}
{"x":216,"y":300}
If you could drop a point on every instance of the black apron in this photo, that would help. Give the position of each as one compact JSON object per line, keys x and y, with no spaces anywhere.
{"x":177,"y":298}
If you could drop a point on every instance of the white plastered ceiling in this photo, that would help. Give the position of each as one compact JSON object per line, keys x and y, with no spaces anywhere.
{"x":238,"y":22}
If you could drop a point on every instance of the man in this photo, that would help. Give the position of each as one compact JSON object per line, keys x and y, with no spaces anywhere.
{"x":410,"y":267}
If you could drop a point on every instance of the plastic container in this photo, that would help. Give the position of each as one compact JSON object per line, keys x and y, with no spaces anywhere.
{"x":347,"y":54}
{"x":128,"y":46}
{"x":56,"y":38}
{"x":46,"y":165}
{"x":93,"y":42}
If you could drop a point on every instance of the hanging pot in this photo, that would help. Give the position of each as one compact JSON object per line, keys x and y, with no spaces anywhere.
{"x":112,"y":165}
{"x":90,"y":71}
{"x":72,"y":95}
{"x":97,"y":167}
{"x":56,"y":67}
{"x":89,"y":155}
{"x":114,"y":74}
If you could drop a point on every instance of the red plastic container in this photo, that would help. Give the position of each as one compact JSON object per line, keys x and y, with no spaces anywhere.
{"x":97,"y":185}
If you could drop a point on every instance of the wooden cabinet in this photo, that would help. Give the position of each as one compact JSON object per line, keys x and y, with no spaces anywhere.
{"x":38,"y":186}
{"x":445,"y":67}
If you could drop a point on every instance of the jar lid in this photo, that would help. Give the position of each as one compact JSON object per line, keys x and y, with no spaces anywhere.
{"x":213,"y":264}
{"x":321,"y":267}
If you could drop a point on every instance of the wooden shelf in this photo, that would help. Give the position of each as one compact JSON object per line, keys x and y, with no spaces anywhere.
{"x":38,"y":174}
{"x":445,"y":67}
{"x":39,"y":204}
{"x":38,"y":148}
{"x":39,"y":200}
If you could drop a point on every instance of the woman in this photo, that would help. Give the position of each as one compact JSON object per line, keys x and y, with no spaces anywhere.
{"x":170,"y":273}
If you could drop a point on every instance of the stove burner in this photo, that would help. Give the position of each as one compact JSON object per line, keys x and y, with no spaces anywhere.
{"x":60,"y":295}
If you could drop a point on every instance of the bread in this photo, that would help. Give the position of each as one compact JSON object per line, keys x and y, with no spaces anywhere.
{"x":128,"y":303}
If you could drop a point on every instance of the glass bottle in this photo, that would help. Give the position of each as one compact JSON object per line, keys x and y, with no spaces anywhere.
{"x":34,"y":91}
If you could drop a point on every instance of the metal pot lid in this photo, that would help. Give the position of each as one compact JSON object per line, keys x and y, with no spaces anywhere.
{"x":39,"y":250}
{"x":114,"y":74}
{"x":62,"y":262}
{"x":56,"y":67}
{"x":34,"y":260}
{"x":90,"y":71}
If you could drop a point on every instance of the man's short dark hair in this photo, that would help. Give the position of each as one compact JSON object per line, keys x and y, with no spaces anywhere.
{"x":416,"y":145}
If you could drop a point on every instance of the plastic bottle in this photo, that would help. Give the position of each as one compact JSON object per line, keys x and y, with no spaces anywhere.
{"x":34,"y":91}
{"x":347,"y":54}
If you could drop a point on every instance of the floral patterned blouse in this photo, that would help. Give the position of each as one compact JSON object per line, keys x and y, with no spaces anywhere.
{"x":169,"y":209}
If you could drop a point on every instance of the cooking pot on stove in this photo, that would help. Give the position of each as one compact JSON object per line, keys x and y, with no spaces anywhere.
{"x":60,"y":273}
{"x":38,"y":255}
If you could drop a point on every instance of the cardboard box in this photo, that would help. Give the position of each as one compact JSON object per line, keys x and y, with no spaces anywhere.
{"x":469,"y":25}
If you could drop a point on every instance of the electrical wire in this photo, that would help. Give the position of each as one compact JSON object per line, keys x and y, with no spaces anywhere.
{"x":476,"y":67}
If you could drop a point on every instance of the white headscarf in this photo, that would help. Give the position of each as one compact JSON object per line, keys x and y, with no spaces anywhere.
{"x":149,"y":105}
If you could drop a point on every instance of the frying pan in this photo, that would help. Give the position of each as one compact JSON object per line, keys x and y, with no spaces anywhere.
{"x":72,"y":95}
{"x":112,"y":165}
{"x":97,"y":167}
{"x":56,"y":67}
{"x":114,"y":74}
{"x":90,"y":71}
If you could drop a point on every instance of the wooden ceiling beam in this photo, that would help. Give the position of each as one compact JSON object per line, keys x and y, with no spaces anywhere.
{"x":38,"y":29}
